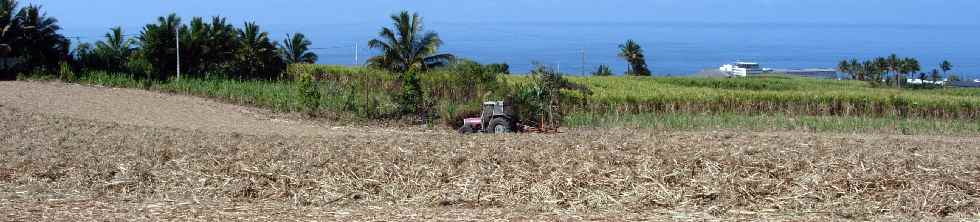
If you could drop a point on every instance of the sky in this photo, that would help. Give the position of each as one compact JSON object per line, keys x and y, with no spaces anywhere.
{"x":105,"y":13}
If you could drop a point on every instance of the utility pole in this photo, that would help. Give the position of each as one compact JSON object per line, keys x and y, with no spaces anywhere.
{"x":356,"y":60}
{"x":178,"y":51}
{"x":583,"y":62}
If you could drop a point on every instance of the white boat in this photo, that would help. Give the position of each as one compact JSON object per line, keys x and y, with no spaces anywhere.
{"x":742,"y":69}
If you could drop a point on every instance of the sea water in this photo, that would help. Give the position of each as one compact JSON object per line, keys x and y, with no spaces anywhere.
{"x":671,"y":48}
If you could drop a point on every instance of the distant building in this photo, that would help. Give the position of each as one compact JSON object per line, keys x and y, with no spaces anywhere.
{"x":922,"y":82}
{"x":742,"y":69}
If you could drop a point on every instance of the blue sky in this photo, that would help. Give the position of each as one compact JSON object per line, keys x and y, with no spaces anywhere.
{"x":105,"y":13}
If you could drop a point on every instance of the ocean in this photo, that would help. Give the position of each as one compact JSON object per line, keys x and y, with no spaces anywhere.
{"x":672,"y":48}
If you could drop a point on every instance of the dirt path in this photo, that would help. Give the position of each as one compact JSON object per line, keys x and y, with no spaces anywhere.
{"x":152,"y":109}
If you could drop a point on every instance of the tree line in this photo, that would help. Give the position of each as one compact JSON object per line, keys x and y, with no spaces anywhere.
{"x":28,"y":39}
{"x":207,"y":48}
{"x":892,"y":71}
{"x":30,"y":43}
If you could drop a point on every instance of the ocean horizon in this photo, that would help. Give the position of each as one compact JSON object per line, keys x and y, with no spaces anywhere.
{"x":672,"y":48}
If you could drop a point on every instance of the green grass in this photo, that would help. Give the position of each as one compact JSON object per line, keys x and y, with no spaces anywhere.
{"x":280,"y":96}
{"x":771,"y":95}
{"x":756,"y":103}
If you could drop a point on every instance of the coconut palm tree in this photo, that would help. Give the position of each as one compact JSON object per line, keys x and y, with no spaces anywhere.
{"x":296,"y":49}
{"x":114,"y":50}
{"x":157,"y":44}
{"x":879,"y":68}
{"x":41,"y":43}
{"x":894,"y":64}
{"x":845,"y":67}
{"x":946,"y":66}
{"x":194,"y":48}
{"x":257,"y":55}
{"x":222,"y":42}
{"x":407,"y":46}
{"x":9,"y":37}
{"x":633,"y":54}
{"x":910,"y":65}
{"x":9,"y":27}
{"x":855,"y":68}
{"x":862,"y":70}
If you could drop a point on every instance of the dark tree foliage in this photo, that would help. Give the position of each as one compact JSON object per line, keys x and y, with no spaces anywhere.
{"x":257,"y":56}
{"x":110,"y":54}
{"x":158,"y":45}
{"x":214,"y":47}
{"x":29,"y":40}
{"x":222,"y":43}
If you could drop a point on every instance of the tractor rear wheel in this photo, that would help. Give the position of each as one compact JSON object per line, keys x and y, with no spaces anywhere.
{"x":500,"y":125}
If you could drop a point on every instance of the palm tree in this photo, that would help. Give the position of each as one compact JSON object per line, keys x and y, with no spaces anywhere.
{"x":633,"y":54}
{"x":946,"y":66}
{"x":194,"y":46}
{"x":857,"y":70}
{"x":845,"y":67}
{"x":408,"y":47}
{"x":894,"y":64}
{"x":114,"y":50}
{"x":257,"y":55}
{"x":879,"y":68}
{"x":42,"y":45}
{"x":295,"y":49}
{"x":222,"y":42}
{"x":910,"y":65}
{"x":157,"y":44}
{"x":9,"y":27}
{"x":855,"y":67}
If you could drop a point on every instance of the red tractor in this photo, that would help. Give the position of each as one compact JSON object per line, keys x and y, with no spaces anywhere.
{"x":499,"y":117}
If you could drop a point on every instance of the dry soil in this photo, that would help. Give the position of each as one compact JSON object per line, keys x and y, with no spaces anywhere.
{"x":72,"y":152}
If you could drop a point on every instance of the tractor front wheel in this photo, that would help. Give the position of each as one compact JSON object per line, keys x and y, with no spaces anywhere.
{"x":467,"y":129}
{"x":500,"y":125}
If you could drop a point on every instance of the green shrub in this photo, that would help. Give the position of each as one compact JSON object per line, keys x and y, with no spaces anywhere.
{"x":410,"y":98}
{"x":453,"y":114}
{"x":603,"y":70}
{"x":65,"y":73}
{"x":309,"y":94}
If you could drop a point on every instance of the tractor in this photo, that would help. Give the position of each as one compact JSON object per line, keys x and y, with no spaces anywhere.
{"x":495,"y":117}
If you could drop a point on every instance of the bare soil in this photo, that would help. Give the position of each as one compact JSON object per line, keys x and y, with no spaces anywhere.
{"x":78,"y":153}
